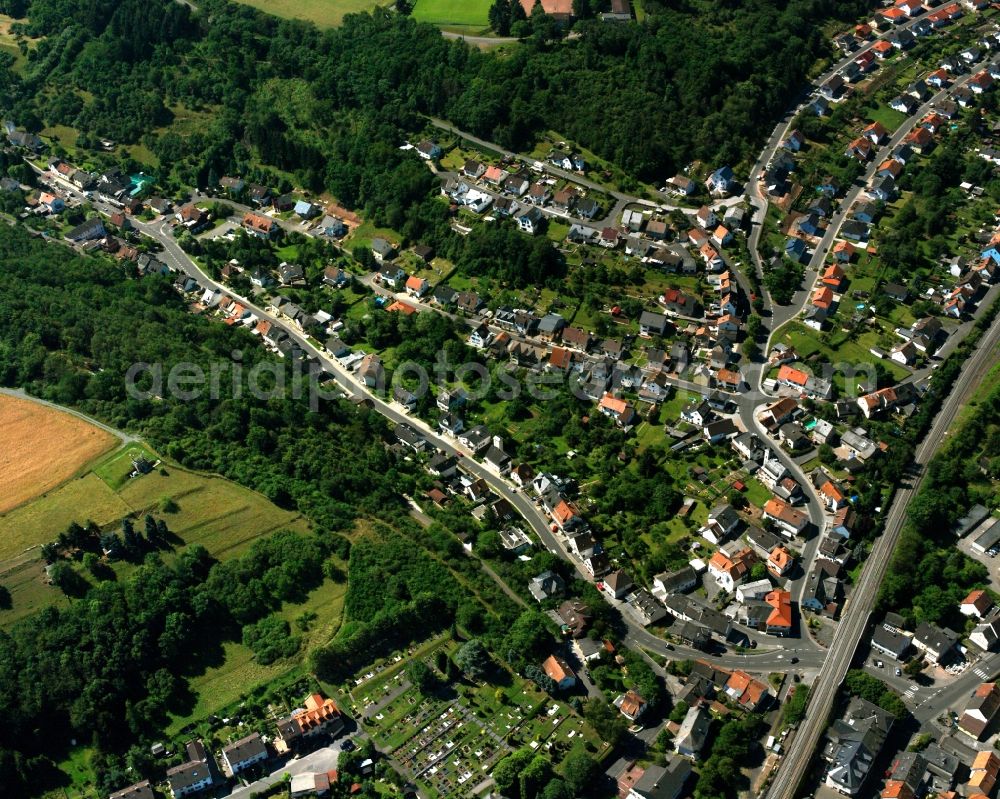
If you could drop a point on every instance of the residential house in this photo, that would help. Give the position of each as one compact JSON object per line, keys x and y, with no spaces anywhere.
{"x":194,"y":775}
{"x":675,"y":582}
{"x":559,"y":671}
{"x":978,"y":603}
{"x":983,"y":774}
{"x":631,"y":705}
{"x":832,"y":495}
{"x":904,"y":354}
{"x":660,"y":782}
{"x":981,"y":712}
{"x":720,"y":182}
{"x":546,"y":585}
{"x":651,"y":324}
{"x":428,"y":150}
{"x":416,"y":286}
{"x":258,"y":225}
{"x":877,"y":401}
{"x":793,"y":436}
{"x":370,"y":370}
{"x":756,"y":590}
{"x":987,"y":635}
{"x":140,"y":790}
{"x":244,"y":753}
{"x":723,"y":522}
{"x":320,"y":715}
{"x":789,"y":520}
{"x":934,"y":642}
{"x":795,"y":249}
{"x":691,"y":737}
{"x":731,"y":571}
{"x":530,"y":221}
{"x":780,"y":562}
{"x":891,"y":642}
{"x":392,"y":275}
{"x":750,"y":694}
{"x":382,"y":249}
{"x":618,"y":583}
{"x":854,"y":743}
{"x":469,"y":302}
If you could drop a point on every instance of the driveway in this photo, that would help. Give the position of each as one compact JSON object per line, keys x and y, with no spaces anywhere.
{"x":322,"y":760}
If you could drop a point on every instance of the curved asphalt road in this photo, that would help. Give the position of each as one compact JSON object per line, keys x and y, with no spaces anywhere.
{"x":857,"y":611}
{"x":804,"y":649}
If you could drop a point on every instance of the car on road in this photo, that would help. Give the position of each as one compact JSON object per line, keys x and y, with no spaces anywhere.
{"x":347,"y":746}
{"x":899,"y":672}
{"x":795,"y":660}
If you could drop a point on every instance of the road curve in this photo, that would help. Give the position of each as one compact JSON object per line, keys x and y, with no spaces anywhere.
{"x":175,"y":257}
{"x":856,"y":614}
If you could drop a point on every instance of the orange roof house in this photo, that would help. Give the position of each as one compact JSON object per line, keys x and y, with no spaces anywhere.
{"x":977,"y":603}
{"x":823,"y":297}
{"x":780,"y":620}
{"x":258,"y":225}
{"x":789,"y":519}
{"x":631,"y":705}
{"x":896,"y":789}
{"x":320,"y":713}
{"x":882,"y":48}
{"x":560,"y":358}
{"x":416,"y":285}
{"x":833,"y":276}
{"x":985,"y":770}
{"x":832,"y":494}
{"x":731,"y":571}
{"x":891,"y":167}
{"x":559,"y":671}
{"x":875,"y":132}
{"x":564,"y":512}
{"x":618,"y":409}
{"x":919,"y":138}
{"x":780,"y":561}
{"x":402,"y":307}
{"x":745,"y":690}
{"x":786,"y":374}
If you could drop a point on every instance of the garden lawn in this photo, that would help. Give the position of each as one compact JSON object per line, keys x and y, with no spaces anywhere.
{"x":453,"y":13}
{"x":325,"y":13}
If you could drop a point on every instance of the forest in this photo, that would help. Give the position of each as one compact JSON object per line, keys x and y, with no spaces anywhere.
{"x":694,"y":81}
{"x":107,"y":671}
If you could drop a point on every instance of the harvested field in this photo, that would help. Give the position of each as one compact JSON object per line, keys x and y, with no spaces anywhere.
{"x":41,"y":448}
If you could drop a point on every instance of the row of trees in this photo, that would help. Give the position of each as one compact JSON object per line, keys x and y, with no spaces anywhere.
{"x":928,"y":576}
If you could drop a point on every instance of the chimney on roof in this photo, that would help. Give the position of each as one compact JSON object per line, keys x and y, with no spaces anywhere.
{"x":498,"y":442}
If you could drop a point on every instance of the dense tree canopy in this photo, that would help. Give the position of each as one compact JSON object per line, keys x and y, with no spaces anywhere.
{"x":695,"y":80}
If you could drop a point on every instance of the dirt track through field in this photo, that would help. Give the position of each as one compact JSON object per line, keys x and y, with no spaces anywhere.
{"x":40,"y":448}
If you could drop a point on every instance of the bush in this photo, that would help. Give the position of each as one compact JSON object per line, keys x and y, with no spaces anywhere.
{"x":270,"y":639}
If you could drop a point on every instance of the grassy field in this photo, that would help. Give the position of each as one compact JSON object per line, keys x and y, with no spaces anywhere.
{"x":42,"y":448}
{"x":221,"y":516}
{"x":237,"y":674}
{"x":453,"y":13}
{"x":325,"y":13}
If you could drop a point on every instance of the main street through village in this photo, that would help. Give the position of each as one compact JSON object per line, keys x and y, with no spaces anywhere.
{"x":824,"y":669}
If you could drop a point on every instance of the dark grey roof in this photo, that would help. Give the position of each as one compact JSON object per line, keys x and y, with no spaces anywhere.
{"x":659,"y":782}
{"x":245,"y":749}
{"x":889,"y":642}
